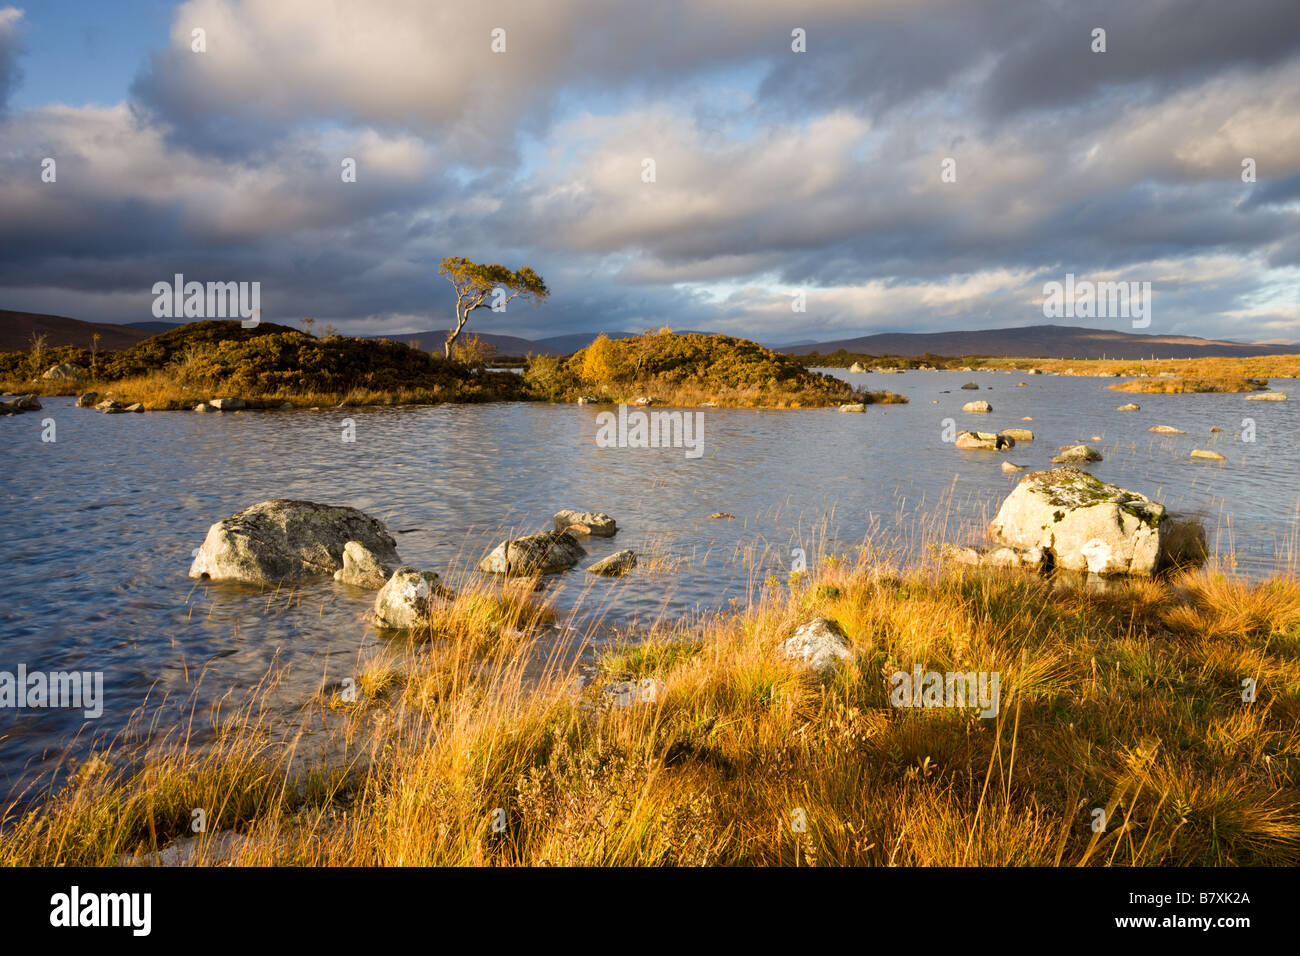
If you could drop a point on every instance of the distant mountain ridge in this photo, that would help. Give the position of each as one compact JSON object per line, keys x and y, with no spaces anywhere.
{"x":1043,"y":341}
{"x":1035,"y":341}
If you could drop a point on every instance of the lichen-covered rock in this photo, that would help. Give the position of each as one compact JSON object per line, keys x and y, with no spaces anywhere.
{"x":1076,"y":453}
{"x":1085,"y":524}
{"x":545,"y":553}
{"x":820,"y":645}
{"x":594,"y":523}
{"x":408,"y":599}
{"x":616,"y":565}
{"x":286,"y":540}
{"x":362,"y":567}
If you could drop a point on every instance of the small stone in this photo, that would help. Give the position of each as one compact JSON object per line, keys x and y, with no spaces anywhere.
{"x":1207,"y":455}
{"x":980,"y":407}
{"x":616,"y":565}
{"x":820,"y":645}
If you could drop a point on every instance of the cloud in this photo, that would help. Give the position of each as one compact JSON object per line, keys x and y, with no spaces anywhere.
{"x":10,"y":49}
{"x":774,"y":170}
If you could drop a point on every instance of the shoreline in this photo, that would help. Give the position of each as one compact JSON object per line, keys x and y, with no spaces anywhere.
{"x":486,"y":711}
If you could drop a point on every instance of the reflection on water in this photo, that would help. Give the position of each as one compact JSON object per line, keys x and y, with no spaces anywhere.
{"x":98,"y":528}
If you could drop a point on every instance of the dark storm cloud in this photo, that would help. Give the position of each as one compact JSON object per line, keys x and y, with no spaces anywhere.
{"x":777,"y":170}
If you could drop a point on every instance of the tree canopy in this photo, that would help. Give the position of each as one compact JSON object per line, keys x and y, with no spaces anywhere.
{"x":476,"y":287}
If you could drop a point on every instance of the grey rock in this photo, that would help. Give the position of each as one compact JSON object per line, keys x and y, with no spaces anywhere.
{"x":545,"y":553}
{"x":616,"y":565}
{"x":287,"y":540}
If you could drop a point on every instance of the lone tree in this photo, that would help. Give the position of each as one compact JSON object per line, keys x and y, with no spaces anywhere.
{"x":476,"y":286}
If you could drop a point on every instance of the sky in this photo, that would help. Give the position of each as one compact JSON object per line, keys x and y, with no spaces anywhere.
{"x":920,"y":165}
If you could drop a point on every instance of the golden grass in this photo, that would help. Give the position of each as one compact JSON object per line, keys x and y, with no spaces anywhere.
{"x":1263,"y":366}
{"x":480,"y":744}
{"x":1186,"y":385}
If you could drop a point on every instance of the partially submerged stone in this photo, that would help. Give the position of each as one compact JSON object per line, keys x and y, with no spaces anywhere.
{"x":820,"y":645}
{"x":1207,"y":455}
{"x":1008,"y":466}
{"x":362,"y":567}
{"x":594,"y":523}
{"x":287,"y":540}
{"x":1018,"y":434}
{"x":545,"y":553}
{"x":616,"y":564}
{"x":1267,"y":397}
{"x":979,"y":407}
{"x":1076,"y":453}
{"x":1130,"y":407}
{"x":853,"y":407}
{"x":1166,"y":430}
{"x":228,"y":404}
{"x":1085,"y":524}
{"x":989,"y":441}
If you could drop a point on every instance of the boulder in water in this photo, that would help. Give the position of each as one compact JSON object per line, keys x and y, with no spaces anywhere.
{"x":287,"y":540}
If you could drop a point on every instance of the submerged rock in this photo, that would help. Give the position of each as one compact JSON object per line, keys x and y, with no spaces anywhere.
{"x":970,"y":386}
{"x":545,"y":553}
{"x":616,"y":565}
{"x":990,"y":441}
{"x":820,"y":645}
{"x":1166,"y":430}
{"x":1076,"y":453}
{"x":1085,"y":524}
{"x":1130,"y":407}
{"x":286,"y":540}
{"x":595,"y":523}
{"x":1008,"y":466}
{"x":362,"y":567}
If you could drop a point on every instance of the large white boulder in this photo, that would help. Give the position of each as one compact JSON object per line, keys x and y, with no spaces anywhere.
{"x":1086,"y":524}
{"x":286,"y":540}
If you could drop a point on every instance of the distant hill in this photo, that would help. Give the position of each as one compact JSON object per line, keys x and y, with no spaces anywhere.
{"x":1042,"y":341}
{"x":17,"y":328}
